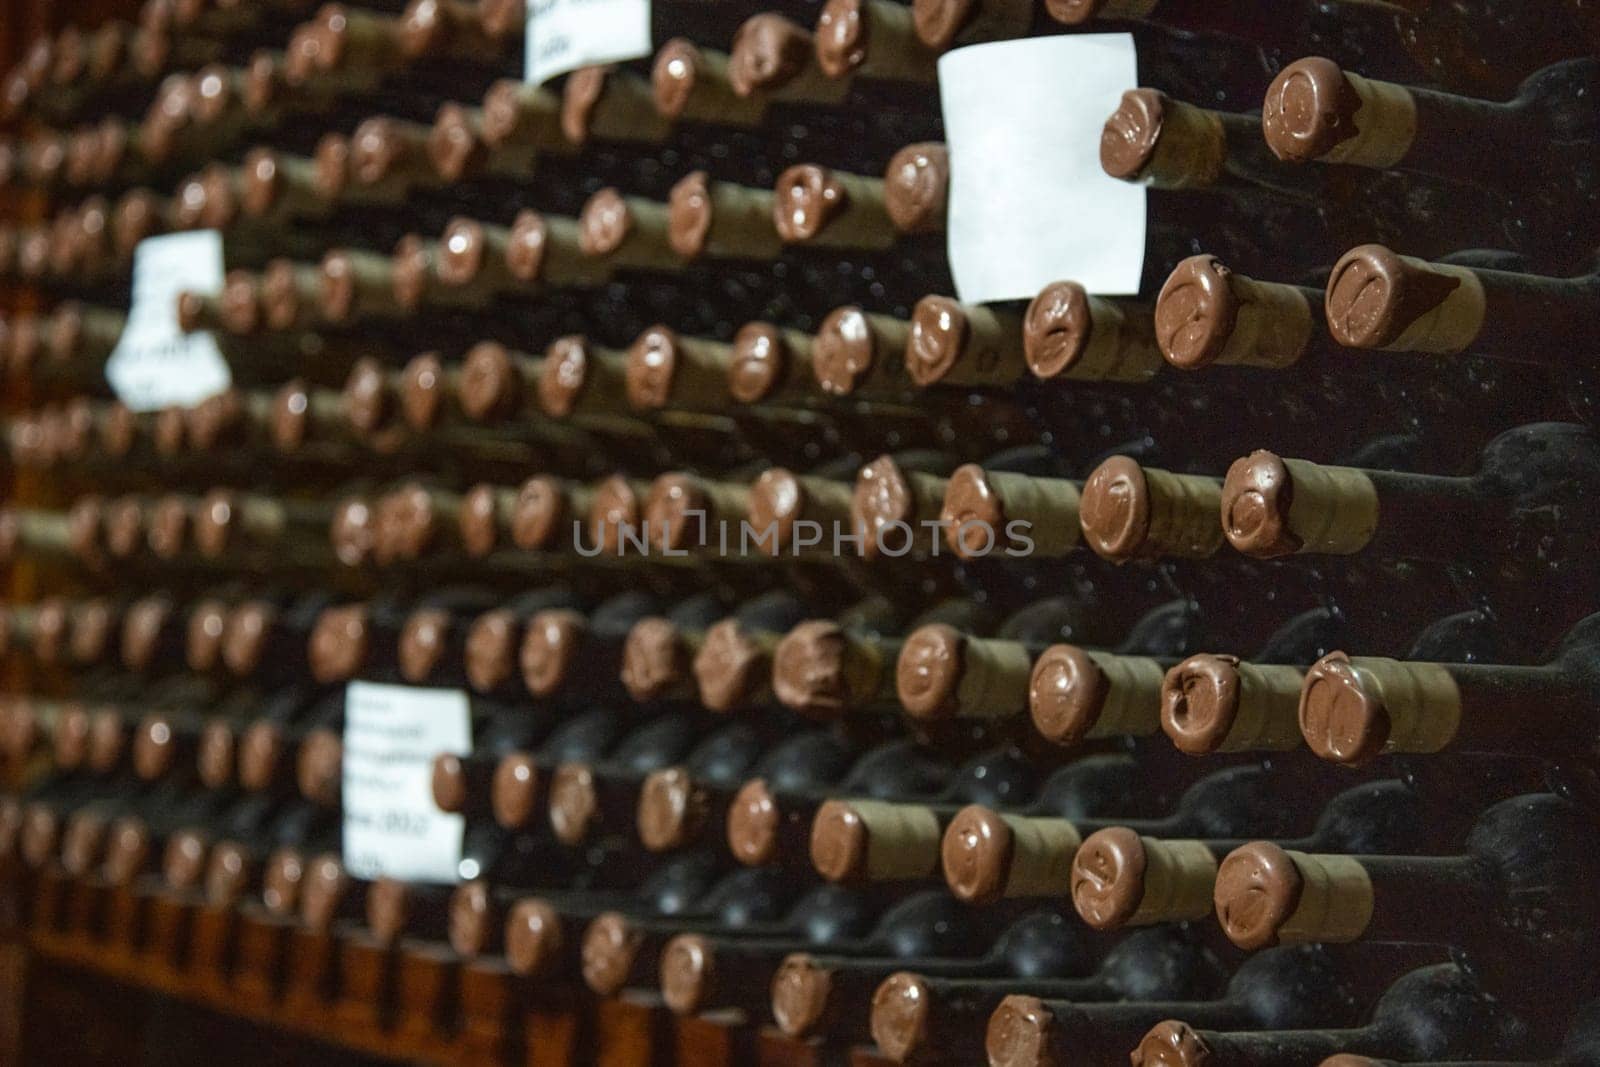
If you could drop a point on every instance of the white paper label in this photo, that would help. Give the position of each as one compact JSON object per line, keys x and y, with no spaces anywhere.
{"x":392,"y":828}
{"x":1029,"y":201}
{"x":155,"y":364}
{"x":564,"y":35}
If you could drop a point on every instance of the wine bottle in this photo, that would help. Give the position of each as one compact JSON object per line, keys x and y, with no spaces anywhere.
{"x":1353,"y":708}
{"x":588,"y":797}
{"x":1432,"y":1012}
{"x":1037,"y":1030}
{"x":940,"y":1017}
{"x":1521,"y":874}
{"x":1378,"y":299}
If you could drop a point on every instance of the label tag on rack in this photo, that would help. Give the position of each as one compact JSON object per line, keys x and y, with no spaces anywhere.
{"x":156,"y":364}
{"x":1029,"y":202}
{"x":392,"y":828}
{"x":564,"y":35}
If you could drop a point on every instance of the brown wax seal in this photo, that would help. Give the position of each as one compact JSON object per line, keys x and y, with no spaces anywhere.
{"x":353,"y":532}
{"x":70,"y":744}
{"x":539,"y":513}
{"x":282,"y":301}
{"x":86,"y":528}
{"x":339,"y":643}
{"x":1257,"y":496}
{"x":502,"y":19}
{"x":227,"y":874}
{"x":378,"y":148}
{"x":1309,"y":111}
{"x":759,"y":362}
{"x":973,"y":512}
{"x":1108,"y":877}
{"x":801,"y":991}
{"x":454,"y":146}
{"x":976,"y":854}
{"x":127,"y":850}
{"x":216,"y":519}
{"x":806,"y":198}
{"x":412,"y":270}
{"x":138,"y":215}
{"x":1056,"y":329}
{"x":93,"y":623}
{"x":689,"y":212}
{"x":670,"y":809}
{"x":424,"y":391}
{"x":731,"y":669}
{"x":901,"y":1007}
{"x":550,"y":647}
{"x":463,"y":251}
{"x":291,"y":415}
{"x":1374,"y":295}
{"x":426,"y":27}
{"x":240,"y":302}
{"x":245,"y":630}
{"x":514,"y":790}
{"x":470,"y":918}
{"x":264,"y":81}
{"x":1114,"y":510}
{"x":525,"y":250}
{"x":688,"y":964}
{"x":261,"y":752}
{"x":203,"y":635}
{"x":322,"y":887}
{"x":41,"y":831}
{"x":563,"y":376}
{"x":882,"y":498}
{"x":408,"y":524}
{"x":155,"y":747}
{"x":491,"y":387}
{"x":753,"y":824}
{"x":422,"y":643}
{"x":1341,"y":720}
{"x":605,"y":223}
{"x":839,"y":839}
{"x":338,"y":285}
{"x":119,"y":430}
{"x":1019,"y":1034}
{"x":1173,"y":1044}
{"x":573,"y":803}
{"x":183,"y":864}
{"x":1066,"y":694}
{"x":21,"y":731}
{"x":609,"y":946}
{"x":281,"y":880}
{"x":491,"y":649}
{"x":928,"y":674}
{"x":51,"y":629}
{"x":83,"y":843}
{"x":169,"y":527}
{"x":843,"y":37}
{"x":533,"y":937}
{"x":388,"y":909}
{"x":678,"y":512}
{"x":655,"y":659}
{"x":1200,"y":702}
{"x":768,"y":52}
{"x":615,"y":508}
{"x":1196,"y":313}
{"x":916,"y":187}
{"x":652,"y":370}
{"x":845,"y":351}
{"x":319,"y":766}
{"x":262,"y":182}
{"x":777,"y":501}
{"x":1128,"y":139}
{"x":216,"y":756}
{"x":940,"y":332}
{"x":673,"y":75}
{"x":330,"y":163}
{"x":579,"y":99}
{"x":479,"y":521}
{"x":808,"y":669}
{"x":1258,"y":889}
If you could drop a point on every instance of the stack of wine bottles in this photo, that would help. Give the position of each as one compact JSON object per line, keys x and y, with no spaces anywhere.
{"x":1206,"y":676}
